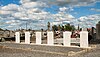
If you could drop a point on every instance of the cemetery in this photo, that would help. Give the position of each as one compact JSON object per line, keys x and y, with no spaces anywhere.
{"x":52,"y":43}
{"x":49,"y":28}
{"x":53,"y":47}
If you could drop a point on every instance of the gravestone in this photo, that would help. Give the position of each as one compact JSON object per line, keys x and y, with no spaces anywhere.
{"x":84,"y":29}
{"x":67,"y":38}
{"x":17,"y":37}
{"x":84,"y":39}
{"x":27,"y":37}
{"x":50,"y":38}
{"x":38,"y":37}
{"x":98,"y":30}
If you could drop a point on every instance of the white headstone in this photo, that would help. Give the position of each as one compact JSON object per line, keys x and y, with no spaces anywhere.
{"x":17,"y":37}
{"x":67,"y":38}
{"x":27,"y":37}
{"x":84,"y":29}
{"x":38,"y":37}
{"x":50,"y":38}
{"x":84,"y":39}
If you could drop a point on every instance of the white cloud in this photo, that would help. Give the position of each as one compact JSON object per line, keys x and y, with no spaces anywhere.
{"x":2,"y":12}
{"x":29,"y":4}
{"x":63,"y":17}
{"x":34,"y":10}
{"x":19,"y":15}
{"x":56,"y":23}
{"x":88,"y":21}
{"x":24,"y":1}
{"x":66,"y":21}
{"x":63,"y":9}
{"x":9,"y":26}
{"x":93,"y":9}
{"x":12,"y":21}
{"x":10,"y":7}
{"x":83,"y":18}
{"x":68,"y":2}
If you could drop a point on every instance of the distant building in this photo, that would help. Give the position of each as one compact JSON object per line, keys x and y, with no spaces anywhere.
{"x":6,"y":33}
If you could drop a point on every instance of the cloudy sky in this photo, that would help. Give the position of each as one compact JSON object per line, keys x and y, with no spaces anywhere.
{"x":14,"y":14}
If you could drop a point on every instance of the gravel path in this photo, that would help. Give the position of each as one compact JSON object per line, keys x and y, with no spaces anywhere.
{"x":93,"y":53}
{"x":6,"y":52}
{"x":42,"y":47}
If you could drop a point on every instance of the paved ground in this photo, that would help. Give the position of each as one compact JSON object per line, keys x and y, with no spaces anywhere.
{"x":6,"y":52}
{"x":93,"y":53}
{"x":23,"y":50}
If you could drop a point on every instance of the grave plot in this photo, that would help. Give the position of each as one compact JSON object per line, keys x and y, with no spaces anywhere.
{"x":66,"y":40}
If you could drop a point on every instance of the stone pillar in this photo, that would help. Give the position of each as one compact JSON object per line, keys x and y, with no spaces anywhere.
{"x":38,"y":37}
{"x":50,"y":38}
{"x":98,"y":31}
{"x":84,"y":39}
{"x":27,"y":37}
{"x":17,"y":37}
{"x":67,"y":38}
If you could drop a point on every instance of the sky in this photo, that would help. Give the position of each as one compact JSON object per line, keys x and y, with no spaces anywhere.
{"x":15,"y":14}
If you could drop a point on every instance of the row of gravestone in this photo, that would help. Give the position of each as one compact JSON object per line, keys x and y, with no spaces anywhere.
{"x":50,"y":38}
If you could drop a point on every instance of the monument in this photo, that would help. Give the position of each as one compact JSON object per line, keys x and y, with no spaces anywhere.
{"x":98,"y":30}
{"x":38,"y":37}
{"x":27,"y":37}
{"x":67,"y":38}
{"x":84,"y":39}
{"x":17,"y":37}
{"x":50,"y":38}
